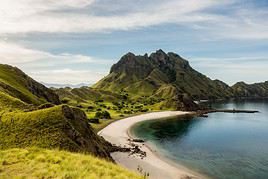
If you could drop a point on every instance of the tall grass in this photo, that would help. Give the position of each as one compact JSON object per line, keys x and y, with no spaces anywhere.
{"x":43,"y":163}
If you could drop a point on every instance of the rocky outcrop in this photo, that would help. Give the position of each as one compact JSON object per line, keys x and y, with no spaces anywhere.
{"x":80,"y":132}
{"x":41,"y":91}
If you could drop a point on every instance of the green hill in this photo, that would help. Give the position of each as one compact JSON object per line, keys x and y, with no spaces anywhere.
{"x":256,"y":90}
{"x":161,"y":75}
{"x":84,"y":94}
{"x":9,"y":103}
{"x":37,"y":137}
{"x":59,"y":127}
{"x":19,"y":85}
{"x":24,"y":122}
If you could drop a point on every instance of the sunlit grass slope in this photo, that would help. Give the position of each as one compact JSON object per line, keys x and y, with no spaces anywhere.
{"x":19,"y":85}
{"x":43,"y":163}
{"x":9,"y":103}
{"x":59,"y":127}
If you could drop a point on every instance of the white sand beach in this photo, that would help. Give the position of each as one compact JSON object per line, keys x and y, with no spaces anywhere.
{"x":157,"y":167}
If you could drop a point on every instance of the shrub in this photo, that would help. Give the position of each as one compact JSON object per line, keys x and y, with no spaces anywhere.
{"x":79,"y":106}
{"x":94,"y":120}
{"x":90,"y":107}
{"x":116,"y":104}
{"x":65,"y":101}
{"x":46,"y":105}
{"x":103,"y":115}
{"x":124,"y":97}
{"x":144,"y":110}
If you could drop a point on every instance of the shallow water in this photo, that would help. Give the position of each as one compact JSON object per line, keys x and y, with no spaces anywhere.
{"x":224,"y":145}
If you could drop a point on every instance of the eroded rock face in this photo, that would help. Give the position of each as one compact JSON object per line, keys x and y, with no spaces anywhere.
{"x":131,"y":64}
{"x":80,"y":132}
{"x":41,"y":91}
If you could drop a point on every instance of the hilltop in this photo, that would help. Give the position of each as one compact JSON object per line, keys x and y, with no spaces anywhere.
{"x":19,"y":85}
{"x":256,"y":90}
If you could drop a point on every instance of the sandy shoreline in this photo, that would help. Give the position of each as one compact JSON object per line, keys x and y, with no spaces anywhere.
{"x":158,"y":168}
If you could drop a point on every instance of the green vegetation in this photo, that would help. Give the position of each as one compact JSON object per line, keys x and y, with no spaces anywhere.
{"x":9,"y":103}
{"x":17,"y":84}
{"x":103,"y":115}
{"x":42,"y":163}
{"x":36,"y":133}
{"x":32,"y":119}
{"x":59,"y":127}
{"x":170,"y":81}
{"x":256,"y":90}
{"x":105,"y":107}
{"x":163,"y":77}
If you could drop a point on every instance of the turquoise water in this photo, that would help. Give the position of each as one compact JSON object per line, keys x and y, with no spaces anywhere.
{"x":221,"y":146}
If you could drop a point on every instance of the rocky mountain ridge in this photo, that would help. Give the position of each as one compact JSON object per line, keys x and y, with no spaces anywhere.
{"x":169,"y":76}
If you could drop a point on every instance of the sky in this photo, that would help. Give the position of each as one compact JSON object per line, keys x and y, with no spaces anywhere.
{"x":77,"y":41}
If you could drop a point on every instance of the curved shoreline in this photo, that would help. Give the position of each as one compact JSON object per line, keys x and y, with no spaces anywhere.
{"x":157,"y":166}
{"x":154,"y":150}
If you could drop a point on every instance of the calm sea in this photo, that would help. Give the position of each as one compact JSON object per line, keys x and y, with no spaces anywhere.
{"x":224,"y":145}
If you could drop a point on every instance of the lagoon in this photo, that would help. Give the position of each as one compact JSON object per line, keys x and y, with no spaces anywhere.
{"x":224,"y":145}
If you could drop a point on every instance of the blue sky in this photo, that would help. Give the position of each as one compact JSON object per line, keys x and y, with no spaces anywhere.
{"x":76,"y":41}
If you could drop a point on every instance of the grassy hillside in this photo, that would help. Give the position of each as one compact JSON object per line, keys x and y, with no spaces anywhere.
{"x":26,"y":123}
{"x":93,"y":101}
{"x":59,"y":127}
{"x":161,"y":76}
{"x":42,"y":163}
{"x":85,"y":94}
{"x":17,"y":84}
{"x":170,"y":80}
{"x":9,"y":103}
{"x":256,"y":90}
{"x":37,"y":137}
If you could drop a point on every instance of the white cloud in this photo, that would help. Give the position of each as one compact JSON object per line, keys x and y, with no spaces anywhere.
{"x":47,"y":67}
{"x":50,"y":16}
{"x":66,"y":76}
{"x":25,"y":16}
{"x":19,"y":17}
{"x":15,"y":54}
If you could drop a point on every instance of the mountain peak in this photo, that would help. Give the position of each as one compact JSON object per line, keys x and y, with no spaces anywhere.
{"x":241,"y":83}
{"x":129,"y":54}
{"x":159,"y":56}
{"x":160,"y":51}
